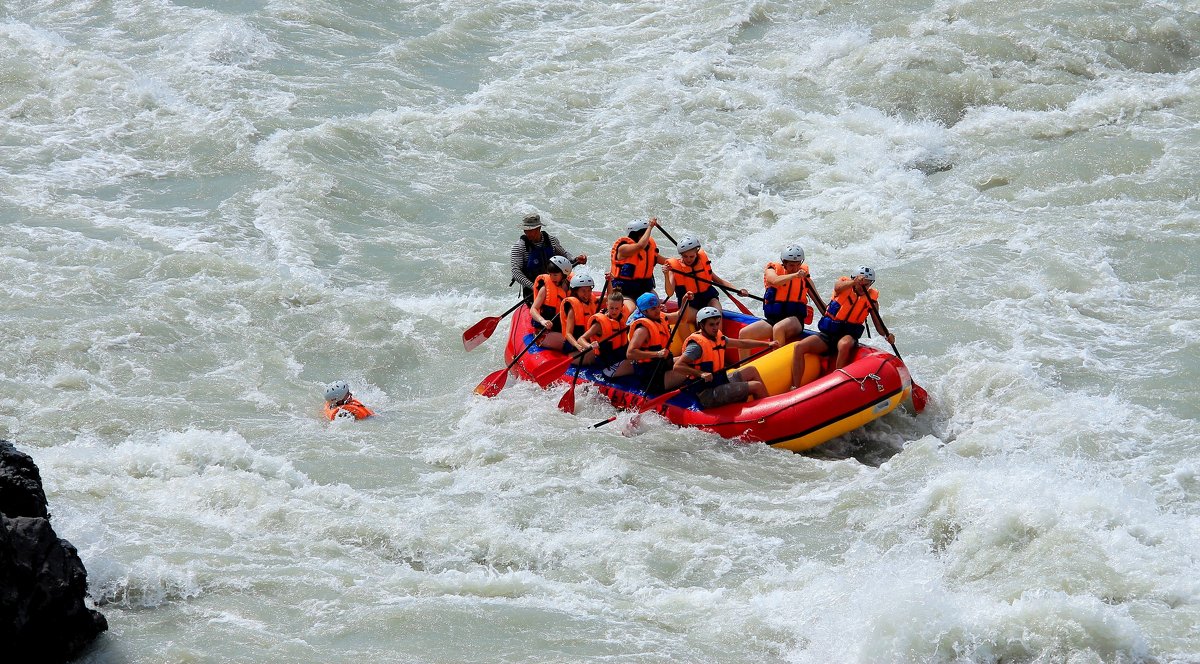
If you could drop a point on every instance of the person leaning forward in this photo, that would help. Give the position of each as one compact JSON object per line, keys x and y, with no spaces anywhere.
{"x":703,"y":357}
{"x":530,"y":256}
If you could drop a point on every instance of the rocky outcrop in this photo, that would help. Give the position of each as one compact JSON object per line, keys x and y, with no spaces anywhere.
{"x":43,"y":617}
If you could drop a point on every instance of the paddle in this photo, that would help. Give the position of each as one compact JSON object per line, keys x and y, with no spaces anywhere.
{"x":549,"y":373}
{"x":479,"y":332}
{"x":812,"y":292}
{"x":494,"y":382}
{"x":654,"y":403}
{"x":567,"y":403}
{"x":645,"y":387}
{"x":743,"y":308}
{"x":733,"y":299}
{"x":919,"y":396}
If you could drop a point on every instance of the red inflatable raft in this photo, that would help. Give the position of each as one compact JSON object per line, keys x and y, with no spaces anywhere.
{"x":828,"y":404}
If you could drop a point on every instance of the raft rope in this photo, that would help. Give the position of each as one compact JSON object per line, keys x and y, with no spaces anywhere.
{"x":861,"y":381}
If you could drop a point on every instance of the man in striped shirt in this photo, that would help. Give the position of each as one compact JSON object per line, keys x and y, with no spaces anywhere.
{"x":531,"y":254}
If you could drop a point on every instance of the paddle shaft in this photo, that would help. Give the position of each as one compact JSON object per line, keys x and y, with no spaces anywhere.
{"x":713,"y":283}
{"x":657,"y":366}
{"x":879,"y":321}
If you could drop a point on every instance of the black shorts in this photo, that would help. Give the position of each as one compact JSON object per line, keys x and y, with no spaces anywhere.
{"x":650,"y":374}
{"x":699,"y":300}
{"x":552,"y":317}
{"x":632,"y":288}
{"x":832,"y":332}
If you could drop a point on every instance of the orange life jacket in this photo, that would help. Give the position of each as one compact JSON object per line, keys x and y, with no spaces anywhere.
{"x":702,"y":268}
{"x":554,"y":292}
{"x":353,"y":406}
{"x":659,"y":331}
{"x":609,"y":327}
{"x":794,"y":290}
{"x":580,"y":313}
{"x":640,"y":265}
{"x":712,"y":353}
{"x":850,"y":307}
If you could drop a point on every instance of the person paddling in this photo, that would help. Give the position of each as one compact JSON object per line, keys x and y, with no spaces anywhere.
{"x":703,"y":357}
{"x":604,"y":337}
{"x":633,"y":258}
{"x":530,"y":256}
{"x":575,"y":311}
{"x":843,"y":323}
{"x":549,"y":290}
{"x":785,"y":300}
{"x":340,"y":403}
{"x":692,"y":273}
{"x":649,"y":344}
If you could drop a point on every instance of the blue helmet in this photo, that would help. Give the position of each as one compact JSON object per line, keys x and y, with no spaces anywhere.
{"x":647,"y":301}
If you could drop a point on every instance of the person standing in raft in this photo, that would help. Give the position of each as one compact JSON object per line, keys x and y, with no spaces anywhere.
{"x":703,"y":357}
{"x":785,"y":301}
{"x":692,"y":273}
{"x":575,"y":311}
{"x":604,"y":337}
{"x":649,"y":341}
{"x":549,"y":290}
{"x":843,"y":323}
{"x":341,"y":405}
{"x":530,"y":256}
{"x":633,"y":259}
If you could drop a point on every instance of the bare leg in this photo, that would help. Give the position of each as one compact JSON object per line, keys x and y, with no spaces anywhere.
{"x":623,"y":369}
{"x":551,"y":341}
{"x":757,"y":389}
{"x":759,"y":330}
{"x":845,"y":346}
{"x":812,"y":344}
{"x":787,"y":330}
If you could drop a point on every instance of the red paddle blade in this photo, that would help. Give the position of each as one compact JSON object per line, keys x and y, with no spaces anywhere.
{"x":479,"y":333}
{"x":567,"y":403}
{"x":919,"y":397}
{"x":552,"y":372}
{"x":492,"y":385}
{"x":741,"y":307}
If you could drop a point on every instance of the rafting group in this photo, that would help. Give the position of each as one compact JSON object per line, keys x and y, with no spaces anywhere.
{"x":690,"y":360}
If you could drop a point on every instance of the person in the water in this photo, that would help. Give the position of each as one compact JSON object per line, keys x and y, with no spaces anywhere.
{"x":340,"y":404}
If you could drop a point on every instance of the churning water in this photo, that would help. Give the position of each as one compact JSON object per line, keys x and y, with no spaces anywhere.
{"x":211,"y":209}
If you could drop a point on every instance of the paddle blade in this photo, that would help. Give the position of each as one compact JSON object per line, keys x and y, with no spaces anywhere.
{"x":479,"y":332}
{"x":567,"y":403}
{"x":919,"y":398}
{"x":741,"y":307}
{"x":550,"y":373}
{"x":492,"y":385}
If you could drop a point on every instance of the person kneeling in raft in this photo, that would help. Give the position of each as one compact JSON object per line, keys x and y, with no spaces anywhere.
{"x":843,"y":323}
{"x":692,"y":273}
{"x":549,"y":290}
{"x":341,"y":405}
{"x":704,"y":357}
{"x":649,"y":344}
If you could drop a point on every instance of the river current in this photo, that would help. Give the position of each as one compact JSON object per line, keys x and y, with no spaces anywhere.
{"x":211,"y":209}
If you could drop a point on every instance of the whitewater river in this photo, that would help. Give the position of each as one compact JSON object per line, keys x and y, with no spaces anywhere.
{"x":210,"y":209}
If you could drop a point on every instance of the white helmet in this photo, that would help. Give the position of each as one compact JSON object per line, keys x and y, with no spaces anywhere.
{"x":637,"y":225}
{"x":561,"y":263}
{"x":706,"y":313}
{"x":793,"y":253}
{"x":581,"y":279}
{"x":337,"y":390}
{"x":687,"y":243}
{"x":865,"y":271}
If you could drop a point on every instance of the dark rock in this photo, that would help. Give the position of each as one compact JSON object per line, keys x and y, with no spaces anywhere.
{"x":43,"y":617}
{"x":21,"y":491}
